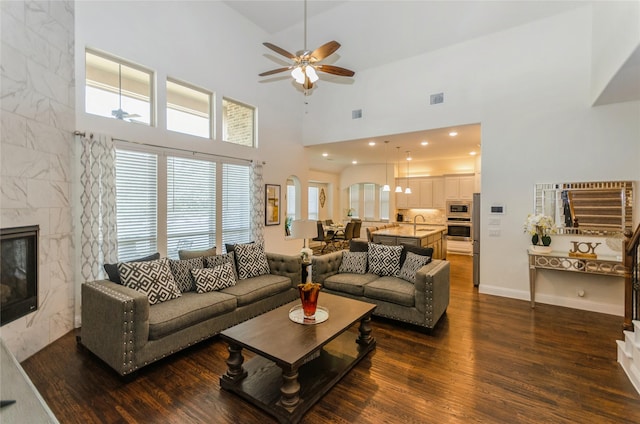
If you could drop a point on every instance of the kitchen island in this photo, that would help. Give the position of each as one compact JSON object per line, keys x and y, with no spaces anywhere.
{"x":433,"y":236}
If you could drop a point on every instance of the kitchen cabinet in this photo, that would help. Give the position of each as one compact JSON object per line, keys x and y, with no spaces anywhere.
{"x":426,"y":193}
{"x":459,"y":187}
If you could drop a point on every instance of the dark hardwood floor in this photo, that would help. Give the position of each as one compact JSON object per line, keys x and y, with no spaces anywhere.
{"x":491,"y":360}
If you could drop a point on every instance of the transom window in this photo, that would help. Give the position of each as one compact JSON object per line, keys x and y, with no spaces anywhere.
{"x":238,"y":123}
{"x":188,"y":109}
{"x":118,"y":89}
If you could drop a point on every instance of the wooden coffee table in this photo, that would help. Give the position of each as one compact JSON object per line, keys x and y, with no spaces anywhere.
{"x":296,"y":364}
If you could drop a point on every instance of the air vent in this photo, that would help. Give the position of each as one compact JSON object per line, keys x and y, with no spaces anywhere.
{"x":437,"y":98}
{"x":356,"y":114}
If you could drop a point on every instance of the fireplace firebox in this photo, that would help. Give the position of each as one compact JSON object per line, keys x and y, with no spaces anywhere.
{"x":18,"y":272}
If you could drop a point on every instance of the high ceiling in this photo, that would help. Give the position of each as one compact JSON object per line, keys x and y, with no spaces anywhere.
{"x":373,"y":33}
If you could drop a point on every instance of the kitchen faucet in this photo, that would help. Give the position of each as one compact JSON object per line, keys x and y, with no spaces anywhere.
{"x":415,"y":223}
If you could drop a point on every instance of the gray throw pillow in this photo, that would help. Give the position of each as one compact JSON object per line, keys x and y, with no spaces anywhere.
{"x":181,"y":270}
{"x":213,"y":279}
{"x":251,"y":260}
{"x":353,"y":262}
{"x":412,"y":264}
{"x":189,"y":254}
{"x":153,"y":278}
{"x":384,"y":260}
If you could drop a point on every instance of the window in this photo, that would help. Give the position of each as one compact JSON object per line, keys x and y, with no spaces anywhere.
{"x":238,"y":123}
{"x":117,"y":89}
{"x":313,"y":203}
{"x":236,"y":204}
{"x":354,"y":200}
{"x":191,"y":205}
{"x":368,"y":201}
{"x":188,"y":109}
{"x":384,"y":204}
{"x":136,"y":202}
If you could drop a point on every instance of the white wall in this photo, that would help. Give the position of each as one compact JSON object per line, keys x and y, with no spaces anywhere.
{"x":36,"y":157}
{"x":530,"y":88}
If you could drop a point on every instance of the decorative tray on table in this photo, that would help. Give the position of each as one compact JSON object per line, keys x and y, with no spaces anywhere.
{"x":297,"y":315}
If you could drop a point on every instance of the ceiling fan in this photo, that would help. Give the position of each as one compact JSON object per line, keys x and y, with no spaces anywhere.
{"x":306,"y":63}
{"x":119,"y":113}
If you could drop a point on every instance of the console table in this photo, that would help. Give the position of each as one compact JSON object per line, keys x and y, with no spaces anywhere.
{"x":561,"y":261}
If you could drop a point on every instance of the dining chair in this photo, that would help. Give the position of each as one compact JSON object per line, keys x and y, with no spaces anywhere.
{"x":346,"y":236}
{"x":356,"y":228}
{"x":323,"y":237}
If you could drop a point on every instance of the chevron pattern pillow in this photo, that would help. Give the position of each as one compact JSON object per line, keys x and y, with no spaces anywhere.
{"x":181,"y":270}
{"x":251,"y":260}
{"x":411,"y":265}
{"x":353,"y":262}
{"x":153,"y":278}
{"x":213,"y":279}
{"x":384,"y":260}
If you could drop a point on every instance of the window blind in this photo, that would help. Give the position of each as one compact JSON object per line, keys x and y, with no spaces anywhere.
{"x":236,"y":204}
{"x":369,"y":201}
{"x":191,"y":205}
{"x":313,"y":203}
{"x":136,"y":202}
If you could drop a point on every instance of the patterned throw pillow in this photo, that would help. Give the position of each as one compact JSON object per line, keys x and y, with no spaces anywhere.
{"x":153,"y":278}
{"x":216,"y":278}
{"x":182,"y":272}
{"x":114,"y":274}
{"x":353,"y":262}
{"x":213,"y":261}
{"x":384,"y":260}
{"x":411,"y":265}
{"x":251,"y":260}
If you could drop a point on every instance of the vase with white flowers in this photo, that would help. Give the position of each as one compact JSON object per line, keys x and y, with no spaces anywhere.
{"x":540,"y":227}
{"x":306,"y":254}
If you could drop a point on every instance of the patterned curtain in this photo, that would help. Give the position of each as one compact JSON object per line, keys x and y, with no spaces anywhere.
{"x":98,"y":239}
{"x":257,"y":199}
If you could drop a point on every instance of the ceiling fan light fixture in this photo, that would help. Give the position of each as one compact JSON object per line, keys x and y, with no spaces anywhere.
{"x":298,"y":75}
{"x":311,"y":73}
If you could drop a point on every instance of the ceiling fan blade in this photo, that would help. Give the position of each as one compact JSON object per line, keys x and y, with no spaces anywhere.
{"x":325,"y":50}
{"x":335,"y":70}
{"x":274,"y":71}
{"x":280,"y":50}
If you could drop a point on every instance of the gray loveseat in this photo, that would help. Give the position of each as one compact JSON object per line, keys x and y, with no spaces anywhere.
{"x":421,"y":303}
{"x":121,"y":327}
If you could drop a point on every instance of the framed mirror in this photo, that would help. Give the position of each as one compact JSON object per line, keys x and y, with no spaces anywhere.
{"x":594,"y":208}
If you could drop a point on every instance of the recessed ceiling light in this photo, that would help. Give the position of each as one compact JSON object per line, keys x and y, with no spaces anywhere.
{"x":355,"y":162}
{"x":453,"y":133}
{"x":425,"y":143}
{"x":325,"y":154}
{"x":472,"y":153}
{"x":372,"y":143}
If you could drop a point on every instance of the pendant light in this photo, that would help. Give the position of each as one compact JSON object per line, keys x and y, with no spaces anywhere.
{"x":386,"y":170}
{"x":398,"y":188}
{"x":408,"y":189}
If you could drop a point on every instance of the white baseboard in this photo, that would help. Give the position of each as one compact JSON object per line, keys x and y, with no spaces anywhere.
{"x":605,"y":308}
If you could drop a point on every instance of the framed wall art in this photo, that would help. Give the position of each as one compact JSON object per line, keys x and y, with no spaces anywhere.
{"x":272,"y":204}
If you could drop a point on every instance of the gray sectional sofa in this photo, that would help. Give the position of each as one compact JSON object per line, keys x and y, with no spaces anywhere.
{"x":422,"y":302}
{"x":122,"y":328}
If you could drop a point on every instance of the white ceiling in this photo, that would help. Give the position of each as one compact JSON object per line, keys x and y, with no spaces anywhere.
{"x":376,"y":32}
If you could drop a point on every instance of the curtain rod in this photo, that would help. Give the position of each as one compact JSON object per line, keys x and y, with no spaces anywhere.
{"x":84,"y":134}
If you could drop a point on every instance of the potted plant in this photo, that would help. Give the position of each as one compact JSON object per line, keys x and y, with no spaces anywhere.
{"x":540,"y":227}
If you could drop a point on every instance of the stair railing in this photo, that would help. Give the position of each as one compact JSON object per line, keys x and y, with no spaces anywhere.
{"x":631,"y":278}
